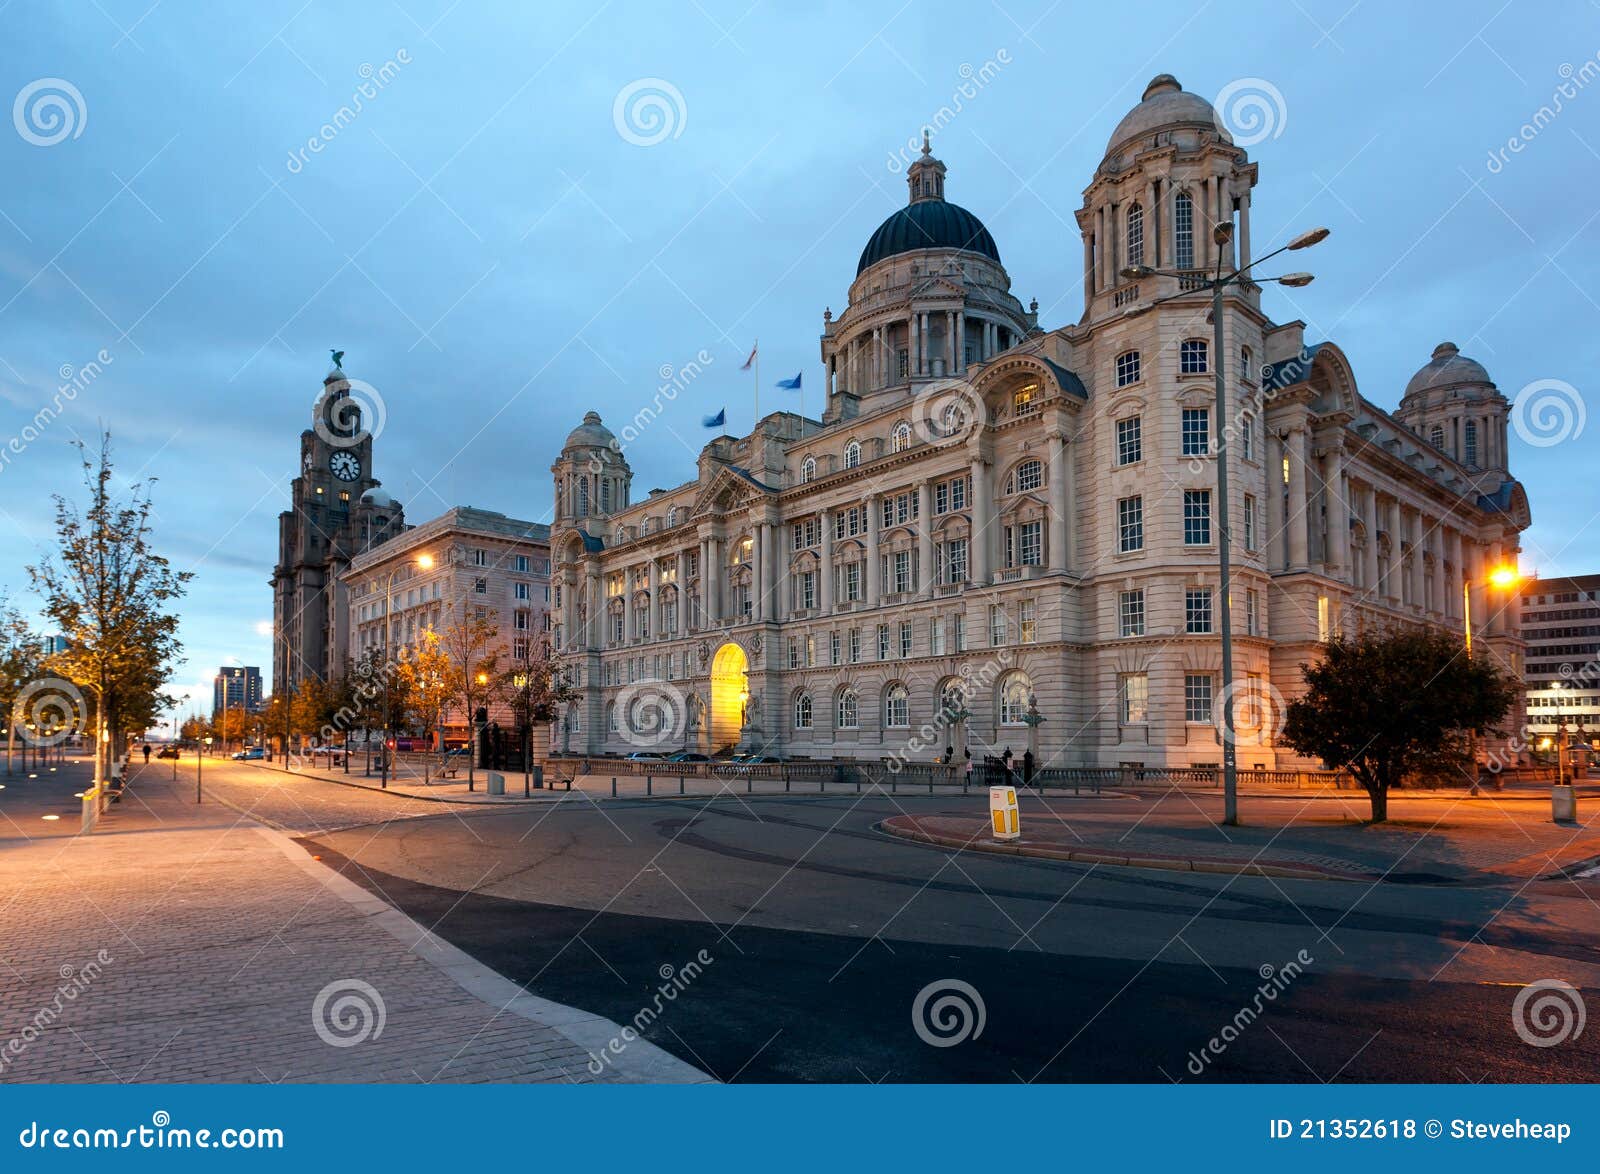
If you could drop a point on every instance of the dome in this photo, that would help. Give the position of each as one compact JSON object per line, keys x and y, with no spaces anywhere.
{"x":928,"y":224}
{"x":379,"y":498}
{"x":590,"y":434}
{"x":1448,"y":368}
{"x":1165,"y":104}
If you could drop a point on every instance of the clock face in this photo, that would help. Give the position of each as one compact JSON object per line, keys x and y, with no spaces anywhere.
{"x":344,"y":466}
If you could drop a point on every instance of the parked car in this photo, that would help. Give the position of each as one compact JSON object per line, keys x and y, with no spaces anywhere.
{"x":756,"y":759}
{"x":168,"y":752}
{"x":248,"y":754}
{"x":646,"y":756}
{"x":334,"y":754}
{"x":688,"y":756}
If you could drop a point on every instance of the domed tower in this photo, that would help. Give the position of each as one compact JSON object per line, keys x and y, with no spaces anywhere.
{"x":592,"y":477}
{"x":1454,"y":405}
{"x":1170,"y":174}
{"x":930,"y":298}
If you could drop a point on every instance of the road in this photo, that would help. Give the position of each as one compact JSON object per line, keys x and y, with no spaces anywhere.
{"x":788,"y":940}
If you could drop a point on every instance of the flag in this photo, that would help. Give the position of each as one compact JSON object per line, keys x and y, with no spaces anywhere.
{"x":718,"y":420}
{"x":790,"y":384}
{"x":750,"y":362}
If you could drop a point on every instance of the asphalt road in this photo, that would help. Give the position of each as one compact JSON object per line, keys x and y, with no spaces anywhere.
{"x":788,"y":940}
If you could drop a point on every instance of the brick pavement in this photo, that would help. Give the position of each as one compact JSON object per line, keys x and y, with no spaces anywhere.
{"x":184,"y":943}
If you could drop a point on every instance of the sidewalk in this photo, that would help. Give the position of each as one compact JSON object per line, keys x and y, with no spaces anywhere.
{"x":185,"y":943}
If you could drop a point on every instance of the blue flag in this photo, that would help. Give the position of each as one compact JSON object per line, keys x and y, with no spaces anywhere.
{"x":718,"y":420}
{"x":790,"y":384}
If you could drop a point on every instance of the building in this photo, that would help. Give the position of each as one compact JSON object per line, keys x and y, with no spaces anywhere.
{"x":428,"y":577}
{"x":999,"y":532}
{"x":1561,"y":623}
{"x":237,"y":686}
{"x":338,"y":510}
{"x":55,"y":645}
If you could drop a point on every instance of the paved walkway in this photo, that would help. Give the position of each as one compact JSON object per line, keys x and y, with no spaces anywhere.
{"x":187,"y":943}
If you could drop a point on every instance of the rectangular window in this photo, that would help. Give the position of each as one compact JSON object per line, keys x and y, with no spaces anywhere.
{"x":519,"y":591}
{"x":1130,"y":524}
{"x":519,"y":563}
{"x":997,"y":625}
{"x":1130,"y":612}
{"x":1197,"y":698}
{"x":1197,"y":611}
{"x":1192,"y":357}
{"x":1249,"y":522}
{"x":902,"y":571}
{"x":855,"y":645}
{"x":1196,"y":432}
{"x":958,"y":494}
{"x":1027,"y":631}
{"x":808,"y":590}
{"x":1252,"y":612}
{"x":811,"y":650}
{"x":1196,"y":517}
{"x":883,"y":641}
{"x":834,"y":648}
{"x":1135,"y":691}
{"x":480,"y":586}
{"x":794,"y":652}
{"x":960,"y":633}
{"x":936,"y":636}
{"x":1031,"y":552}
{"x":1247,"y":438}
{"x":941,"y":498}
{"x":955,"y":561}
{"x":1183,"y":231}
{"x":905,"y":638}
{"x":1130,"y":441}
{"x":480,"y":557}
{"x":1324,"y":620}
{"x":852,"y":582}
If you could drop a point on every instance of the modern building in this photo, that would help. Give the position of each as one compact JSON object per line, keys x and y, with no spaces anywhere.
{"x":1561,"y":624}
{"x":998,"y":530}
{"x":338,"y":510}
{"x":237,"y":686}
{"x":465,"y":563}
{"x":54,"y":645}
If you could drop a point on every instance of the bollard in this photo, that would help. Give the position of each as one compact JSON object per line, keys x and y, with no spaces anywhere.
{"x":680,"y":783}
{"x":613,"y":786}
{"x":1003,"y":813}
{"x":649,"y":786}
{"x":496,"y":784}
{"x":1563,"y":803}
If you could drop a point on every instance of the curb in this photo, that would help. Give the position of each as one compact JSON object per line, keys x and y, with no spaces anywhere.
{"x":486,"y":801}
{"x":1123,"y":859}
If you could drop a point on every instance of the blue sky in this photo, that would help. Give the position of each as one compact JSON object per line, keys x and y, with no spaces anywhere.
{"x":496,"y":256}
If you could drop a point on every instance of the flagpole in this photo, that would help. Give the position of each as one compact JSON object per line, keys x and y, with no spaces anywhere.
{"x":757,"y":351}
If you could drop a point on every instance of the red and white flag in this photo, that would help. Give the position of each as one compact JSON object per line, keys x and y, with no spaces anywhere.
{"x":750,"y":362}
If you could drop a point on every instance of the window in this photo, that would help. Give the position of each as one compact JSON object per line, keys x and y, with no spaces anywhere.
{"x":480,"y":586}
{"x":794,"y":652}
{"x":1183,"y":231}
{"x":848,"y":710}
{"x":480,"y":557}
{"x":519,"y":591}
{"x":1249,"y":522}
{"x":852,"y":454}
{"x":835,"y":649}
{"x":1471,"y":452}
{"x":1134,"y":690}
{"x":811,"y":649}
{"x":855,"y":645}
{"x":901,"y":564}
{"x":1130,"y":612}
{"x":1247,"y":373}
{"x":1014,"y":691}
{"x":1025,"y":544}
{"x":1127,"y":368}
{"x":1027,"y":628}
{"x":954,"y":569}
{"x":905,"y":638}
{"x":1130,"y":524}
{"x":997,"y":625}
{"x":1136,"y":235}
{"x":1029,"y":475}
{"x":883,"y":641}
{"x":901,"y":438}
{"x":1196,"y":432}
{"x":1130,"y":441}
{"x":896,"y":708}
{"x":953,"y":419}
{"x":852,"y":582}
{"x":1023,"y":399}
{"x":808,"y":472}
{"x":519,"y":621}
{"x":1192,"y":357}
{"x":806,"y":534}
{"x":936,"y":636}
{"x":1196,"y":517}
{"x":1247,"y":437}
{"x":950,"y":495}
{"x":1197,"y":698}
{"x":802,"y":712}
{"x":1197,"y":611}
{"x":903,"y":358}
{"x":1252,"y":612}
{"x":960,"y":633}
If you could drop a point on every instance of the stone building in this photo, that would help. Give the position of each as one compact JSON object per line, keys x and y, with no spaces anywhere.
{"x":998,"y":531}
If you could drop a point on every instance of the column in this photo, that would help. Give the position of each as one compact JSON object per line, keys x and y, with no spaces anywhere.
{"x":1299,"y":524}
{"x":655,"y":598}
{"x":916,"y":344}
{"x":961,"y":340}
{"x":925,"y":575}
{"x":1149,"y":204}
{"x":1088,"y":268}
{"x":825,"y":574}
{"x":712,"y":581}
{"x":874,"y":516}
{"x":594,"y":628}
{"x":705,"y":582}
{"x":880,"y":369}
{"x":982,"y":523}
{"x":681,"y":581}
{"x":1419,"y":528}
{"x":1452,"y":588}
{"x":1100,"y":248}
{"x":1056,"y":466}
{"x":924,"y":353}
{"x":1244,"y":229}
{"x":627,"y":605}
{"x":991,"y":339}
{"x":1369,"y":518}
{"x":1277,"y":535}
{"x":949,"y":342}
{"x":833,"y":374}
{"x":1069,"y":502}
{"x":758,"y":570}
{"x":1161,"y":255}
{"x":1338,"y":553}
{"x":1391,"y":526}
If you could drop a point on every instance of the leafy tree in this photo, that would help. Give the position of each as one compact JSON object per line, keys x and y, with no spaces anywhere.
{"x":20,"y":650}
{"x":194,"y":729}
{"x":1387,"y":706}
{"x":275,"y":716}
{"x":473,"y":646}
{"x":431,"y":683}
{"x":107,"y":591}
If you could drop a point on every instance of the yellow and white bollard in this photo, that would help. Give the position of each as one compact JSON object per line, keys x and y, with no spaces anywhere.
{"x":1003,"y":813}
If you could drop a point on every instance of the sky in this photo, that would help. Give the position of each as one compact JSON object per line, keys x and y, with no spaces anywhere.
{"x":543,"y":208}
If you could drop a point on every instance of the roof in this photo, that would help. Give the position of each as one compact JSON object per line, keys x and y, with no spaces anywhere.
{"x":928,"y":224}
{"x":1165,"y":104}
{"x":1448,"y":368}
{"x":1067,"y":380}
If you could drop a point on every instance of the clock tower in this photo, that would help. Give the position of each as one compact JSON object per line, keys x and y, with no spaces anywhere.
{"x":337,"y":510}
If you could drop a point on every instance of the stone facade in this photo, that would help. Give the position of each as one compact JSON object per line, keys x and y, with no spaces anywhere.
{"x":1000,"y":536}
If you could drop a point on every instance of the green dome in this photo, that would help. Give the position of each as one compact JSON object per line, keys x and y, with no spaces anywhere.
{"x":928,"y":224}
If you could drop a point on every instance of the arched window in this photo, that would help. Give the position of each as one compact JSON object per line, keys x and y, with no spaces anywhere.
{"x":808,"y":470}
{"x":1193,"y":356}
{"x":583,"y":497}
{"x":1436,"y":436}
{"x":1127,"y":368}
{"x":1183,"y":231}
{"x":1014,"y":693}
{"x":952,"y":419}
{"x":1247,"y":373}
{"x":848,"y":710}
{"x":802,"y":712}
{"x":611,"y":717}
{"x":672,"y":515}
{"x":1136,"y":235}
{"x":1470,"y":456}
{"x":852,"y":454}
{"x":901,"y":439}
{"x":1029,"y":475}
{"x":896,"y":708}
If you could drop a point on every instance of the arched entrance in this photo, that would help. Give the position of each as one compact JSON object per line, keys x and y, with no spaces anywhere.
{"x":728,"y":683}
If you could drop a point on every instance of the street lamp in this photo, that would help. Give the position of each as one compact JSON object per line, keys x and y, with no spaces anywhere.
{"x":198,"y":760}
{"x":1218,"y":283}
{"x":1504,"y":577}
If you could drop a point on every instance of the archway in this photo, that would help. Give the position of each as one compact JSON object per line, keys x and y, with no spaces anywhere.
{"x":729,"y":679}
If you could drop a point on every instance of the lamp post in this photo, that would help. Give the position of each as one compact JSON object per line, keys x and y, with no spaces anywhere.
{"x":1505,"y":576}
{"x":198,"y":760}
{"x":1218,"y":283}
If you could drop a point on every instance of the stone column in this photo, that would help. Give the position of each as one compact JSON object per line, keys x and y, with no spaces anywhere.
{"x":655,"y":598}
{"x":949,"y":342}
{"x":594,"y":629}
{"x":1369,"y":518}
{"x":961,"y":340}
{"x":1277,"y":535}
{"x":758,"y":571}
{"x":982,"y":523}
{"x":1088,"y":268}
{"x":925,"y":575}
{"x":1337,"y":555}
{"x":1057,"y":467}
{"x":925,"y":348}
{"x":1299,"y":524}
{"x":1149,"y":213}
{"x":1244,"y":229}
{"x":874,"y":510}
{"x":1419,"y":530}
{"x":1391,"y":526}
{"x":681,"y":582}
{"x":825,"y":574}
{"x":915,"y":344}
{"x":712,"y":581}
{"x":627,"y":605}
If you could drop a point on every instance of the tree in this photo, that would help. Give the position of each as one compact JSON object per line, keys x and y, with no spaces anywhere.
{"x":472,"y":645}
{"x":108,"y":595}
{"x":19,"y":663}
{"x":1387,"y":706}
{"x":431,"y":683}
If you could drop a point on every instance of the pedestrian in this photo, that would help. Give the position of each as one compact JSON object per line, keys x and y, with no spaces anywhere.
{"x":949,"y":753}
{"x":969,"y":767}
{"x":147,"y":754}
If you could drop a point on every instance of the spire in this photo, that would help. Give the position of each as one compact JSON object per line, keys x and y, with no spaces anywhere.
{"x":925,"y":177}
